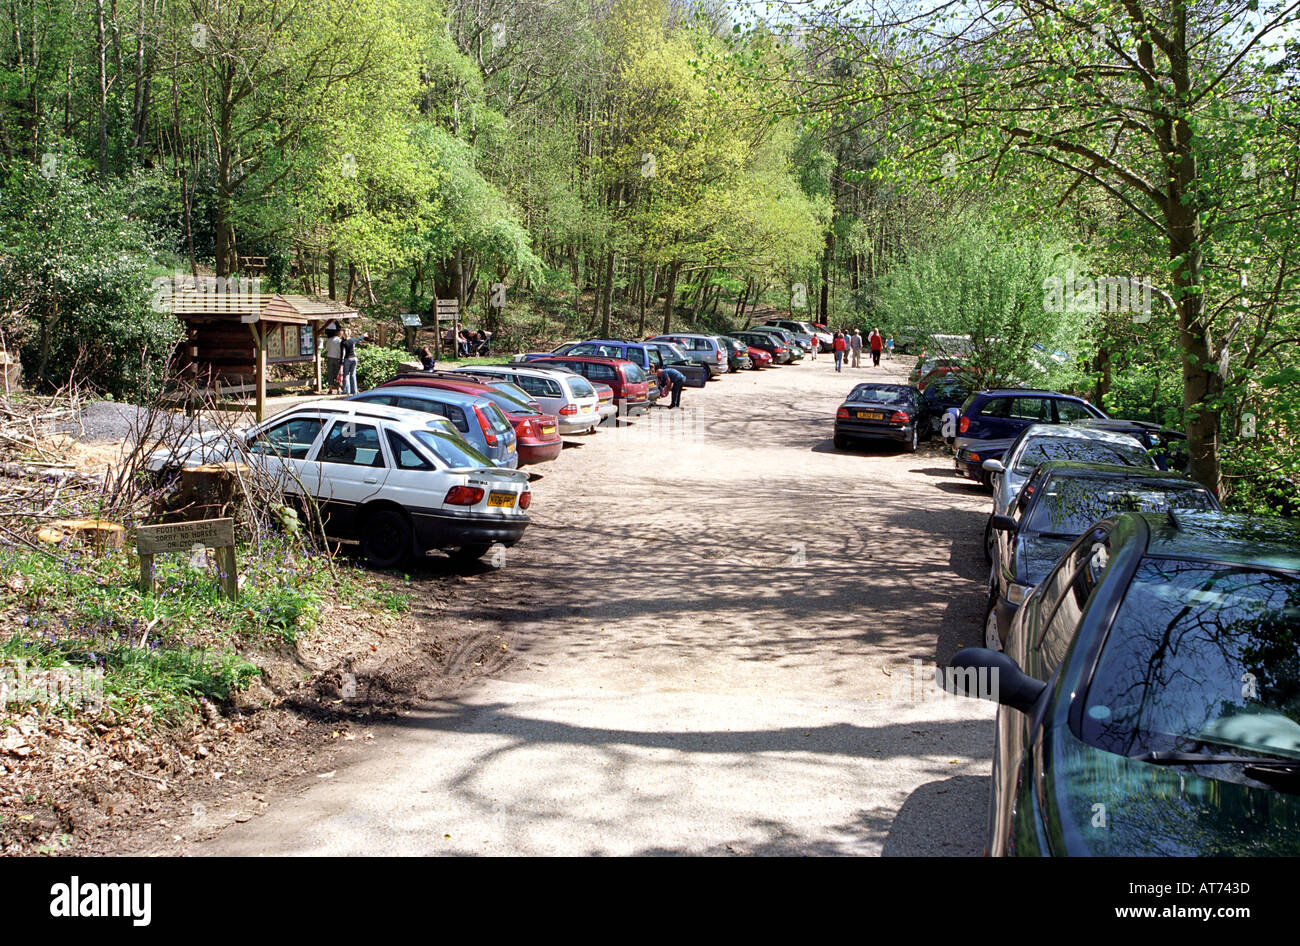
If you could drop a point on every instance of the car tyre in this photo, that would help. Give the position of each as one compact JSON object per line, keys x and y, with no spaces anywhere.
{"x":992,"y":640}
{"x":988,"y":541}
{"x":841,"y":442}
{"x":910,"y":446}
{"x":385,"y":538}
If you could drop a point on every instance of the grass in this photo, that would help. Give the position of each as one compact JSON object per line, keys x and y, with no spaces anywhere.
{"x":168,"y":649}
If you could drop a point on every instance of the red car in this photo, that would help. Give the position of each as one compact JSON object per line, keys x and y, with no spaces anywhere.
{"x":759,"y":358}
{"x":537,"y":434}
{"x":631,"y":385}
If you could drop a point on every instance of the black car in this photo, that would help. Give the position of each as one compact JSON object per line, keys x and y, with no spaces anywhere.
{"x":1057,"y":504}
{"x":763,"y":341}
{"x":988,"y":421}
{"x":665,"y":355}
{"x":882,"y":412}
{"x":1150,"y":694}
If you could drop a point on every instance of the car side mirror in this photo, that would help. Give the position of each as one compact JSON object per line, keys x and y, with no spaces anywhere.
{"x":984,"y":674}
{"x":994,"y":466}
{"x":1003,"y":524}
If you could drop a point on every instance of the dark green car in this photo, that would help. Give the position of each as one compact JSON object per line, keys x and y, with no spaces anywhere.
{"x":1150,"y":694}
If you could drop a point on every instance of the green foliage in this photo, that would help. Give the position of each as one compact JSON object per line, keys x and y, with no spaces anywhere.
{"x":993,"y":288}
{"x":75,"y":263}
{"x":376,"y":364}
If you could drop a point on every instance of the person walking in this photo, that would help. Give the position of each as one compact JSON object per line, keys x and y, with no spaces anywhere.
{"x":812,"y":352}
{"x":674,"y":379}
{"x":349,"y":363}
{"x":840,"y":346}
{"x":877,"y":342}
{"x":855,"y":345}
{"x":333,"y":361}
{"x":889,"y":349}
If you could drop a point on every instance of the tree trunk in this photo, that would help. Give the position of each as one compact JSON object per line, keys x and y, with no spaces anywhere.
{"x":669,"y":294}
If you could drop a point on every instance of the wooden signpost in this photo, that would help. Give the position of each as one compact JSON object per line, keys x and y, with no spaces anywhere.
{"x":218,"y":534}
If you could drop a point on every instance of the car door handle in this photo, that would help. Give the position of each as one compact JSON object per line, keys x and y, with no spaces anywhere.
{"x":372,"y":479}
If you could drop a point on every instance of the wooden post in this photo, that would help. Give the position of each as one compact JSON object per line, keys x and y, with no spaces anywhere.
{"x":228,"y":571}
{"x":259,"y":369}
{"x":148,"y":583}
{"x":317,"y":329}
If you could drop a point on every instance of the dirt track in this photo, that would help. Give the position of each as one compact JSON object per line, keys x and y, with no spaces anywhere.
{"x":716,"y":621}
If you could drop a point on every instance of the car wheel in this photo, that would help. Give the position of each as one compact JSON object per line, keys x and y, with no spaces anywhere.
{"x":841,"y":442}
{"x":385,"y":538}
{"x":910,"y":446}
{"x":992,"y":640}
{"x":469,"y":553}
{"x":988,"y":541}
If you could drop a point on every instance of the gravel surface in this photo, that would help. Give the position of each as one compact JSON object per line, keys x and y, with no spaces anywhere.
{"x":720,"y":628}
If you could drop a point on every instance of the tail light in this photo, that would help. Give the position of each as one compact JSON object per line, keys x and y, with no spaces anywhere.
{"x":899,"y":417}
{"x":975,"y":458}
{"x":721,"y":356}
{"x":525,"y":499}
{"x":569,"y":410}
{"x":483,"y":422}
{"x":964,"y":425}
{"x":842,"y":414}
{"x":463,"y":496}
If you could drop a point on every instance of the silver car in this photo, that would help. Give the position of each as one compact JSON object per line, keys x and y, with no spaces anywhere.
{"x":566,"y":394}
{"x":1039,"y":443}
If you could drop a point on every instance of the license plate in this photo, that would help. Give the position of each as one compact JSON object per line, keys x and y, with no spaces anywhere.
{"x":510,"y":448}
{"x":548,"y":430}
{"x":870,"y":415}
{"x":502,"y":500}
{"x":585,"y":409}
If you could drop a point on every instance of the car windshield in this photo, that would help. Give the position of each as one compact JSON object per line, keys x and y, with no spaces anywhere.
{"x":881,"y":394}
{"x":451,"y":449}
{"x":1067,"y":505}
{"x":1041,"y":449}
{"x":1201,"y":657}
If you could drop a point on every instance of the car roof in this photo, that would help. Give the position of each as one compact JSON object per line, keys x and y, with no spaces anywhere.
{"x":596,"y":359}
{"x":1122,"y":423}
{"x":1075,"y":469}
{"x":346,"y":408}
{"x":1065,"y":432}
{"x":466,"y":386}
{"x":1219,"y":536}
{"x":1005,"y":392}
{"x":427,"y":390}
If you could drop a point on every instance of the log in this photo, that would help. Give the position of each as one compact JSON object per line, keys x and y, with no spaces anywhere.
{"x":212,"y":490}
{"x":99,"y":535}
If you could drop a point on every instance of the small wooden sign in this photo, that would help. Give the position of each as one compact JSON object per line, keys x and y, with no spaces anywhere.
{"x":217,"y":534}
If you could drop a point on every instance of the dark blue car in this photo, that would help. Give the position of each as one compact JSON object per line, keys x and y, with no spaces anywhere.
{"x":990,"y":420}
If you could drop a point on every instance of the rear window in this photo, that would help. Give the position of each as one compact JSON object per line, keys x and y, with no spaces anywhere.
{"x":498,"y":421}
{"x":581,"y":387}
{"x":506,"y":402}
{"x":632,"y":374}
{"x":451,"y":450}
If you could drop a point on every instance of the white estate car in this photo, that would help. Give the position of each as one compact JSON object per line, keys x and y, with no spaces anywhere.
{"x":566,"y":394}
{"x":393,"y":481}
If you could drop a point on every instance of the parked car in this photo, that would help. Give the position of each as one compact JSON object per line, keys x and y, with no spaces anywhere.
{"x":668,"y":355}
{"x":537,"y":434}
{"x":648,"y":357}
{"x":929,"y":370}
{"x":702,"y":349}
{"x":797,"y":351}
{"x":1000,"y":415}
{"x":773,"y":346}
{"x":1150,"y":679}
{"x":882,"y":412}
{"x":758,"y":358}
{"x":737,"y":353}
{"x":569,"y":397}
{"x":1168,"y":447}
{"x":943,"y":394}
{"x":605,"y":394}
{"x":803,"y":333}
{"x":394,"y":482}
{"x":1040,"y":443}
{"x":1060,"y":501}
{"x":483,"y":424}
{"x":630,"y":385}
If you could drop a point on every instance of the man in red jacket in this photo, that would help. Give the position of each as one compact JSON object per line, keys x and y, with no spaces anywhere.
{"x":840,"y":347}
{"x":877,"y":342}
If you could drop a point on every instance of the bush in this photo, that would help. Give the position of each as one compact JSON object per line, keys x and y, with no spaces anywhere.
{"x":376,"y":365}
